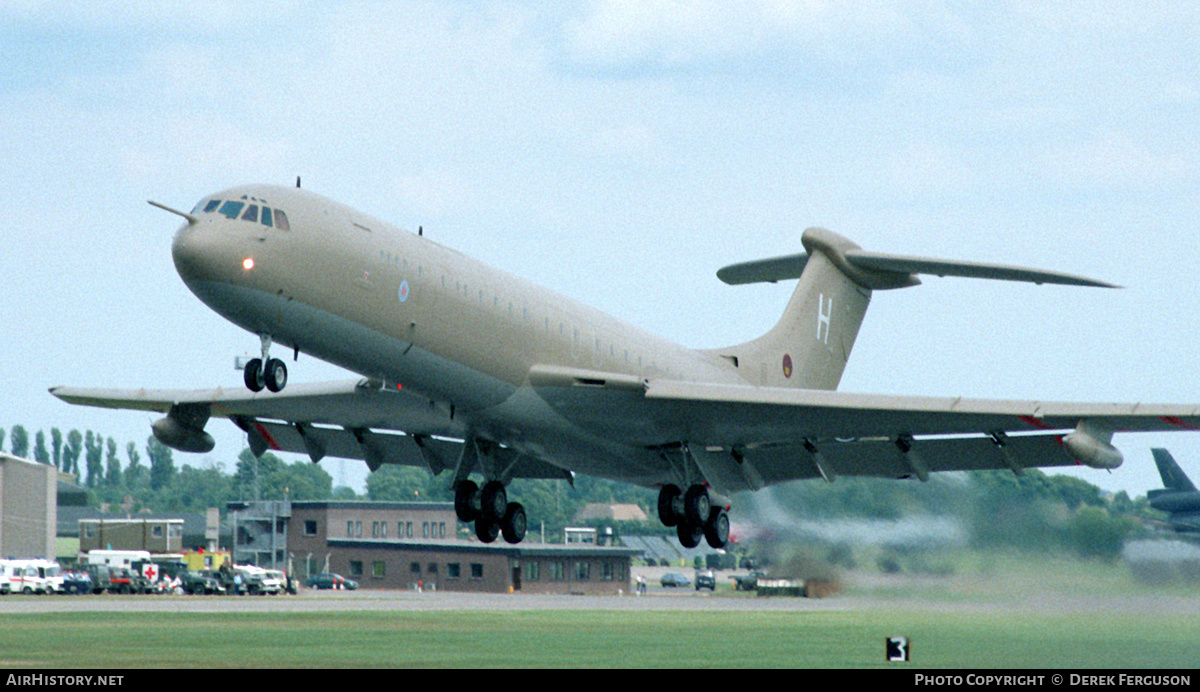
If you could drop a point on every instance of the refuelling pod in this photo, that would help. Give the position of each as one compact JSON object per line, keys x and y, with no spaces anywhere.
{"x":1091,"y":445}
{"x":183,"y":429}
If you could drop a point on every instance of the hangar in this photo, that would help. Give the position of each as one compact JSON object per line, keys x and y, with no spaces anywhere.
{"x":28,"y":508}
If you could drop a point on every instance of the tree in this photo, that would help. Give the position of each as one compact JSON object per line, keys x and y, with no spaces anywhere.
{"x":56,"y":441}
{"x":20,"y":441}
{"x":112,"y":474}
{"x":136,"y":476}
{"x":194,"y":489}
{"x":71,"y":452}
{"x":40,"y":454}
{"x":94,"y":444}
{"x":269,"y":478}
{"x":162,"y":465}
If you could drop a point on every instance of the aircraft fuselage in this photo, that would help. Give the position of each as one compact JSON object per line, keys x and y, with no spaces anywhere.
{"x":390,"y":304}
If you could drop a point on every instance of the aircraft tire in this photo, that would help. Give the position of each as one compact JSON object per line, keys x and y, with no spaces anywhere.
{"x":689,"y":534}
{"x":697,"y":506}
{"x":666,"y":504}
{"x":493,"y":501}
{"x":252,"y":375}
{"x":716,"y":530}
{"x":514,"y":524}
{"x":276,"y":375}
{"x":464,"y":493}
{"x":486,"y":530}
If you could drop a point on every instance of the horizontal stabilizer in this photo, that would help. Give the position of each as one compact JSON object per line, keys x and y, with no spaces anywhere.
{"x":877,"y":270}
{"x":763,"y":271}
{"x":876,"y":261}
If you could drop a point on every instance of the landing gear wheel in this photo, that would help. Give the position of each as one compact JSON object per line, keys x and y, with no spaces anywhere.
{"x":689,"y":535}
{"x":716,"y":531}
{"x":493,"y":501}
{"x":514,"y":523}
{"x":697,"y":506}
{"x":666,"y":504}
{"x":486,"y":530}
{"x":253,"y":375}
{"x":275,"y":375}
{"x":465,"y":495}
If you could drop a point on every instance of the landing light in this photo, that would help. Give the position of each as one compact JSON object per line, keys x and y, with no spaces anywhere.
{"x":248,"y":263}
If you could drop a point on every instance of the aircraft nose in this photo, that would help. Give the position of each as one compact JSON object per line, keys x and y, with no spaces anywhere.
{"x":201,"y":254}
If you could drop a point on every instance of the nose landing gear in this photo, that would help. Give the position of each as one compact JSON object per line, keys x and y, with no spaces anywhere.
{"x":266,"y":372}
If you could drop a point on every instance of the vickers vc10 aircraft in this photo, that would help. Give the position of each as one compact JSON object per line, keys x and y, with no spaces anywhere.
{"x":470,"y":369}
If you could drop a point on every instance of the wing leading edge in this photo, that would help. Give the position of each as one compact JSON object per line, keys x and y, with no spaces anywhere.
{"x":345,"y":419}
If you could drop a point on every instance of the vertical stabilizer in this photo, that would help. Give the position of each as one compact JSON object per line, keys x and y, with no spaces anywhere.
{"x":1173,"y":477}
{"x":809,"y":346}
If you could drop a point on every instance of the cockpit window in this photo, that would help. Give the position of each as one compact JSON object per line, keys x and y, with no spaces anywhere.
{"x":231,"y":208}
{"x":251,"y":213}
{"x":281,"y":220}
{"x":212,"y":205}
{"x":266,"y":217}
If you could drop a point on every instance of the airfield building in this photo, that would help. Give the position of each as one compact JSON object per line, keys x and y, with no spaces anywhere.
{"x":28,"y":508}
{"x":409,"y":545}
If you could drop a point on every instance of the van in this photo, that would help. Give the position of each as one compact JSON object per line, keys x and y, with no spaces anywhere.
{"x":51,"y":575}
{"x":22,"y":576}
{"x":115,"y":558}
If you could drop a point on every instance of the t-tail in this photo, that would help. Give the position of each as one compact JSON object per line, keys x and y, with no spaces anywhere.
{"x":809,"y":347}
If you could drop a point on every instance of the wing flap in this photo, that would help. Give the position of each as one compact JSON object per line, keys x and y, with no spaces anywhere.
{"x":754,"y":468}
{"x":728,"y":414}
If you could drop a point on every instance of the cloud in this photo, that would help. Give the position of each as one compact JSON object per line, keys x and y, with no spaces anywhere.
{"x":708,"y":35}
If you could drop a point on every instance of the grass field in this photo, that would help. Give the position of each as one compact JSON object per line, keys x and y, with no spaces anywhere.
{"x":674,"y":639}
{"x":989,"y":615}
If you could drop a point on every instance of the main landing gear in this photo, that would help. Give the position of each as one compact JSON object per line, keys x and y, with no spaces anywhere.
{"x":266,"y":371}
{"x":491,"y":511}
{"x":693,"y":515}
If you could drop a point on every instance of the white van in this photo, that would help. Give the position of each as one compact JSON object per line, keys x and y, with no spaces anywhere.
{"x":116,"y":558}
{"x":51,"y":573}
{"x":22,"y":576}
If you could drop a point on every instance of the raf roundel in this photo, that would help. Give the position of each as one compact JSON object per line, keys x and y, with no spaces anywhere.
{"x":787,"y":365}
{"x":403,"y":293}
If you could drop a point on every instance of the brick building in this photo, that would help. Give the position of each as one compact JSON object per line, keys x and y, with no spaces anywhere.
{"x":398,"y":545}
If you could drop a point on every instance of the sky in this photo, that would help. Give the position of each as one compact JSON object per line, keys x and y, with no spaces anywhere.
{"x":620,"y":153}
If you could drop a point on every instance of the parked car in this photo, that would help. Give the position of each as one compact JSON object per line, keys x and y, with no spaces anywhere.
{"x":747,"y":582}
{"x":193,"y":582}
{"x":706,"y":580}
{"x":329,"y":580}
{"x":674,"y":579}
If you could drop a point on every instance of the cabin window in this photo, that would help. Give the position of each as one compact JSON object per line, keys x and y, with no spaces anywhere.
{"x":251,"y":213}
{"x":231,"y":209}
{"x":281,"y":220}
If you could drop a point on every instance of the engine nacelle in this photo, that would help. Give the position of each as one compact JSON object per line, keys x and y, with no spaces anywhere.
{"x":177,"y":435}
{"x":1091,"y":446}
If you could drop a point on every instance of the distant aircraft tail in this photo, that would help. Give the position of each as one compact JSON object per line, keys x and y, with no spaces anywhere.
{"x":1173,"y":477}
{"x":809,"y":347}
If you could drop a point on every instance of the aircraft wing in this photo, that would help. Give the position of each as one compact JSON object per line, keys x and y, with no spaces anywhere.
{"x":745,"y":437}
{"x":780,"y":434}
{"x":346,"y":419}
